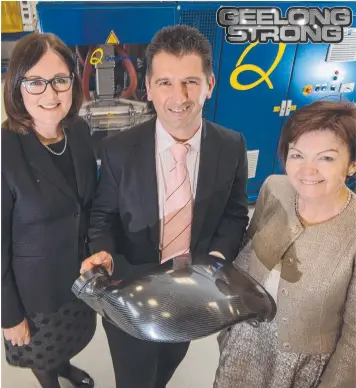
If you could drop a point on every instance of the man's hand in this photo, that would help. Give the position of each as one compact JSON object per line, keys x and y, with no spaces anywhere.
{"x":19,"y":334}
{"x":101,"y":258}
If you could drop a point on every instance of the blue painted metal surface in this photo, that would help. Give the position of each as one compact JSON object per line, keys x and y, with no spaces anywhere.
{"x":85,"y":23}
{"x":252,"y":111}
{"x":249,"y":111}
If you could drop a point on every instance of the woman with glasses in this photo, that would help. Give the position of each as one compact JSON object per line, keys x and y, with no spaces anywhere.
{"x":48,"y":183}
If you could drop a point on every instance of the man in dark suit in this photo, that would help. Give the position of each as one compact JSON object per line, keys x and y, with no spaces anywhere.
{"x":173,"y":185}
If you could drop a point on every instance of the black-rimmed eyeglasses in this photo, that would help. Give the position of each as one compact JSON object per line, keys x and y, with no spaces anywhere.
{"x":39,"y":85}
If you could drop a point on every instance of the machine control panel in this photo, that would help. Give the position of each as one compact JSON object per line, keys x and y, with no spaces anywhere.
{"x":334,"y":84}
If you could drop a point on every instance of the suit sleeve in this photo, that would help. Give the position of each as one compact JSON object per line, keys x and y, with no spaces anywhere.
{"x":105,"y":210}
{"x":232,"y":227}
{"x":12,"y":310}
{"x":340,"y":371}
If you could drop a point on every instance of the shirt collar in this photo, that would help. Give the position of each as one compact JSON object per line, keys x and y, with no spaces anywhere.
{"x":165,"y":140}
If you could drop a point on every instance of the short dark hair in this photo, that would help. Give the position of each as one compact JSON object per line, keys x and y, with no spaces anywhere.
{"x":337,"y":117}
{"x":180,"y":40}
{"x":27,"y":52}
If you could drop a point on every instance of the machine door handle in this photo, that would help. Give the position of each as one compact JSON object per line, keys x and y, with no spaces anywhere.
{"x":283,"y":108}
{"x":290,"y":107}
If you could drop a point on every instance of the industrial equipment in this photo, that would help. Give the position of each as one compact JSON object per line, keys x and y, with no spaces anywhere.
{"x":17,"y":17}
{"x":258,"y":85}
{"x":113,"y":80}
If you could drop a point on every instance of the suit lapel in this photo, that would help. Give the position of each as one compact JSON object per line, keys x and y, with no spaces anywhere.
{"x":146,"y":186}
{"x":209,"y":156}
{"x":38,"y":157}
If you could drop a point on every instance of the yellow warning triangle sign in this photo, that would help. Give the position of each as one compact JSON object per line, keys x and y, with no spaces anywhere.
{"x":112,"y":38}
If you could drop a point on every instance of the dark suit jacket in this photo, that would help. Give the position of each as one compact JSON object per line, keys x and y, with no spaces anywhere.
{"x":40,"y":222}
{"x":125,"y":213}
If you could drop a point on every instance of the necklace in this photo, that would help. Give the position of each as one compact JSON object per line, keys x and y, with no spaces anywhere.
{"x":304,"y":223}
{"x":64,"y":148}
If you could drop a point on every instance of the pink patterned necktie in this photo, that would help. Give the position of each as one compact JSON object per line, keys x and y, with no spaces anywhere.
{"x":178,"y":207}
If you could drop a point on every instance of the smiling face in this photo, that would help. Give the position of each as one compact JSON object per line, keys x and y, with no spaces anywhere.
{"x":50,"y":107}
{"x":178,"y":89}
{"x":317,"y":165}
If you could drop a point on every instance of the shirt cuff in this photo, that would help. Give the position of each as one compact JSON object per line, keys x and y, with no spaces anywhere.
{"x":112,"y":266}
{"x":217,"y":254}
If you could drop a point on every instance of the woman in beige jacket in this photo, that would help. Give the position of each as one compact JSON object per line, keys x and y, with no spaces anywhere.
{"x":301,"y":244}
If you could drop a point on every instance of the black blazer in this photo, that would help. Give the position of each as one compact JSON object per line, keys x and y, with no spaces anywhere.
{"x":40,"y":222}
{"x":125,"y":213}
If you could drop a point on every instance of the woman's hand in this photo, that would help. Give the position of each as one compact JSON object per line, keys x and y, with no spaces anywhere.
{"x":18,"y":335}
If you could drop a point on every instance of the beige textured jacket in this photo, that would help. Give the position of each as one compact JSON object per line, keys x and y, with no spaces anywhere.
{"x":317,"y":290}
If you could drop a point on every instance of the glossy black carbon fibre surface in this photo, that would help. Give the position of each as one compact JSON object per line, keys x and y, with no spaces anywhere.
{"x":175,"y":303}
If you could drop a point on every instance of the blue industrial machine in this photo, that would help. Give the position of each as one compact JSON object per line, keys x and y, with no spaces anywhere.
{"x":116,"y":35}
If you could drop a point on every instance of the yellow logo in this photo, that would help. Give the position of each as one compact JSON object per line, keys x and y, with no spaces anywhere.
{"x":264,"y":76}
{"x":95,"y":60}
{"x":98,"y":54}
